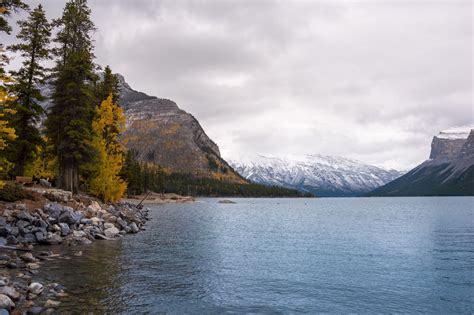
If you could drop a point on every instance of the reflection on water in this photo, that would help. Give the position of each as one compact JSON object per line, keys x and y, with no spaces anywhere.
{"x":282,"y":255}
{"x":92,"y":281}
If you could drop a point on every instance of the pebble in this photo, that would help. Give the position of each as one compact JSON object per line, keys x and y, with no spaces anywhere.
{"x":28,"y":257}
{"x":6,"y":302}
{"x":35,"y":288}
{"x":33,"y":266}
{"x":10,"y":292}
{"x":51,"y":304}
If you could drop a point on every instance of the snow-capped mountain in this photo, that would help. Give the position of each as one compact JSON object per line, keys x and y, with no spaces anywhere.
{"x":321,"y":175}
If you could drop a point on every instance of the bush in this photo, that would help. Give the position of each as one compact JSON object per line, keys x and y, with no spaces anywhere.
{"x":13,"y":192}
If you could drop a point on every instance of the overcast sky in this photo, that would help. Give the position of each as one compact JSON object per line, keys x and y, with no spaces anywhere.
{"x":370,"y":80}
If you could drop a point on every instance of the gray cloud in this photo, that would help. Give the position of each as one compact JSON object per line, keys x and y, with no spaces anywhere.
{"x":369,"y":80}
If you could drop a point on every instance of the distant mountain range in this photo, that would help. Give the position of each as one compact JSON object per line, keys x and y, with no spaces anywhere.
{"x":448,"y":172}
{"x":324,"y":176}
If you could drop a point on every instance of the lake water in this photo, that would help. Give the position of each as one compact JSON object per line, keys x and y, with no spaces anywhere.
{"x":360,"y":255}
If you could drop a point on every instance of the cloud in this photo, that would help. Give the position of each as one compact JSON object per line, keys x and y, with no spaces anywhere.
{"x":368,"y":80}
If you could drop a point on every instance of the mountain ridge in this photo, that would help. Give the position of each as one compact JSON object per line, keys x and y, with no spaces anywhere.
{"x":322,"y":175}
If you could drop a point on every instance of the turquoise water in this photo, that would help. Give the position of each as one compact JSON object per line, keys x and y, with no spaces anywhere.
{"x":361,"y":255}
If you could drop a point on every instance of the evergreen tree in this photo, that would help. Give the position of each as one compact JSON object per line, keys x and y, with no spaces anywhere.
{"x":108,"y":123}
{"x":108,"y":85}
{"x":34,"y":34}
{"x":7,"y":133}
{"x":69,"y":121}
{"x":6,"y":7}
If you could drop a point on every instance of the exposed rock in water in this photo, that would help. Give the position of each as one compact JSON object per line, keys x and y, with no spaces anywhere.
{"x":226,"y":201}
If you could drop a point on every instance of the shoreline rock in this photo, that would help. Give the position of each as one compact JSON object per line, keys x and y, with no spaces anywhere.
{"x":57,"y":217}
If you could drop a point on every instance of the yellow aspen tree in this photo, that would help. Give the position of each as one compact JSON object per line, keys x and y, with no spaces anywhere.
{"x":6,"y":133}
{"x":108,"y":124}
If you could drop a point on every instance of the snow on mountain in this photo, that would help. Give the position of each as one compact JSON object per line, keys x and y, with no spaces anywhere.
{"x":319,"y":174}
{"x":461,"y":132}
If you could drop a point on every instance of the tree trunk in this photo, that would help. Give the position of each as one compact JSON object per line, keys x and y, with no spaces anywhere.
{"x":68,"y":178}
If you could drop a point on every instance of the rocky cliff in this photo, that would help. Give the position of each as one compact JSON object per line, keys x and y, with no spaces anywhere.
{"x":449,"y":171}
{"x":164,"y":134}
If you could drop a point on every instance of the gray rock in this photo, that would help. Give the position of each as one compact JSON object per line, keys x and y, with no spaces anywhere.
{"x":23,"y":215}
{"x":36,"y":288}
{"x":58,"y":195}
{"x":41,"y":223}
{"x":111,"y":232}
{"x":12,"y":240}
{"x":108,"y":225}
{"x":65,"y":230}
{"x":71,"y":217}
{"x":53,"y":209}
{"x":133,"y":227}
{"x":53,"y":239}
{"x":21,"y":206}
{"x":121,"y":223}
{"x":15,"y":231}
{"x":12,"y":265}
{"x":6,"y":302}
{"x":40,"y":237}
{"x":5,"y":230}
{"x":22,"y":224}
{"x":4,"y":312}
{"x":29,"y":238}
{"x":28,"y":257}
{"x":10,"y":292}
{"x":86,"y":221}
{"x":35,"y":310}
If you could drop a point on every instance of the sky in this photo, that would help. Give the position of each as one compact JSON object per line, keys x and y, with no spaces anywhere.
{"x":369,"y":80}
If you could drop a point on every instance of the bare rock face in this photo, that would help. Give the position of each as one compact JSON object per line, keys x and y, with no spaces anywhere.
{"x":447,"y":144}
{"x":162,"y":133}
{"x":449,"y":171}
{"x":445,"y":148}
{"x":468,"y":146}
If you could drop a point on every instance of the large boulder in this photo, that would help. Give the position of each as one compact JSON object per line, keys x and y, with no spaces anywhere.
{"x":54,"y":210}
{"x":53,"y":239}
{"x":58,"y":195}
{"x":71,"y":217}
{"x":111,"y":232}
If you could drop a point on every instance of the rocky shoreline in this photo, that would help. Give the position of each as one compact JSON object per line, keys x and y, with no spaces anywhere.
{"x":53,"y":217}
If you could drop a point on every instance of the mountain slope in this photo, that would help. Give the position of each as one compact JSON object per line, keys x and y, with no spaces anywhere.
{"x":162,"y":133}
{"x":321,"y":175}
{"x":448,"y":172}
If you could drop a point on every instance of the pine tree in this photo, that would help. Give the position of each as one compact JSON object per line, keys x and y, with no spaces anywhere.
{"x":70,"y":118}
{"x":7,"y":133}
{"x":6,"y":7}
{"x":34,"y":34}
{"x":108,"y":124}
{"x":109,"y":84}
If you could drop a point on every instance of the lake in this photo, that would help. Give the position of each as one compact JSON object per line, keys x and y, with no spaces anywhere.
{"x":362,"y":255}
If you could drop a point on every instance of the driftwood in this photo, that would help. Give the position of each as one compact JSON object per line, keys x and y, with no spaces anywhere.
{"x":14,"y":248}
{"x":139,"y":206}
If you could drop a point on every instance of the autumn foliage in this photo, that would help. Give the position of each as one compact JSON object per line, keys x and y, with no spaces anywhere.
{"x":107,"y":125}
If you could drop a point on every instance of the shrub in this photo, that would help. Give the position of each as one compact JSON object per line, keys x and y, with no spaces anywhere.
{"x":13,"y":192}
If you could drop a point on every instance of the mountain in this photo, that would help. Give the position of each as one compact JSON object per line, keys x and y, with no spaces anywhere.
{"x":448,"y":172}
{"x":162,"y":133}
{"x":324,"y":176}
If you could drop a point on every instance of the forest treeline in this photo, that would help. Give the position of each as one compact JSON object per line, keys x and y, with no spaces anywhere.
{"x":76,"y":142}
